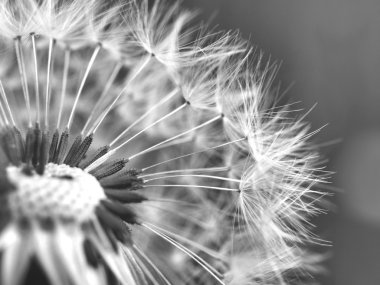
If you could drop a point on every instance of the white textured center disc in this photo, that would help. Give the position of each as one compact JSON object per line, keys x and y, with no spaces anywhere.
{"x":61,"y":192}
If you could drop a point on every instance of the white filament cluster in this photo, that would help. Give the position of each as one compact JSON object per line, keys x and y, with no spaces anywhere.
{"x":62,"y":192}
{"x":229,"y":175}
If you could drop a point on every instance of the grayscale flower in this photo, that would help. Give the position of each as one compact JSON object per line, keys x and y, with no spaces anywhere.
{"x":139,"y":149}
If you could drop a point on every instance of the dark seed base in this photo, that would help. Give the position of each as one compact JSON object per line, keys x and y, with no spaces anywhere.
{"x":39,"y":147}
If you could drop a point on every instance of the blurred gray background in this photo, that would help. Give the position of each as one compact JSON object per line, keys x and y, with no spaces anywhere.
{"x":330,"y":54}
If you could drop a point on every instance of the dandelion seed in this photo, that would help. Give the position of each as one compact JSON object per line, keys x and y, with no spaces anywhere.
{"x":136,"y":149}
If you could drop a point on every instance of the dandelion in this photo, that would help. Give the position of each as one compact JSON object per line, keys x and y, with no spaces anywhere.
{"x":138,"y":149}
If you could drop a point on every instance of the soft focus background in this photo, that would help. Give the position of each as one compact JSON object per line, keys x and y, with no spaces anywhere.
{"x":330,"y":54}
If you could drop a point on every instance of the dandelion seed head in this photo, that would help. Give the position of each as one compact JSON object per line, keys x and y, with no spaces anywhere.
{"x":138,"y":146}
